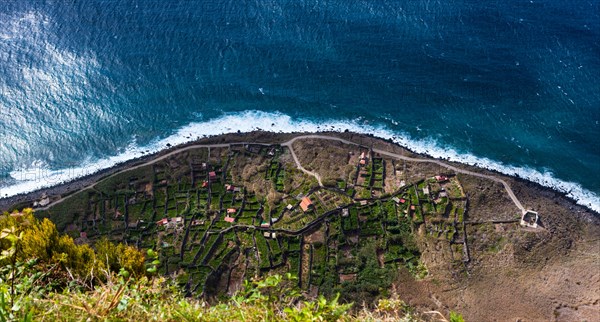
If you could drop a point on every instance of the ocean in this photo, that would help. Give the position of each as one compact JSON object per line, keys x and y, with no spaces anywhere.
{"x":503,"y":84}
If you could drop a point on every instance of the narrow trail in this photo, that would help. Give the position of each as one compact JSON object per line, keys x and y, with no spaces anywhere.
{"x":511,"y":194}
{"x":289,"y":144}
{"x":298,"y":164}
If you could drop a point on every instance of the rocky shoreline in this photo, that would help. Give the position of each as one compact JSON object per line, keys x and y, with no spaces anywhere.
{"x":259,"y":136}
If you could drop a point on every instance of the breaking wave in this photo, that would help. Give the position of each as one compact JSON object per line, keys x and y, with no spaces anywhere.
{"x":37,"y":177}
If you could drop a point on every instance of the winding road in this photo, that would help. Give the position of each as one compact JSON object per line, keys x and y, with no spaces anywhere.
{"x":289,"y":144}
{"x":511,"y":194}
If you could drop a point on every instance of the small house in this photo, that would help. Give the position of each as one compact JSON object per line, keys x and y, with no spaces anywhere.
{"x":306,"y":204}
{"x":345,"y":212}
{"x":229,"y":219}
{"x":265,"y":224}
{"x":363,"y":159}
{"x":212,"y":175}
{"x":231,"y":211}
{"x":441,"y":178}
{"x":270,"y":235}
{"x":204,"y":184}
{"x":530,"y":219}
{"x":162,"y":222}
{"x":229,"y":188}
{"x":44,"y":202}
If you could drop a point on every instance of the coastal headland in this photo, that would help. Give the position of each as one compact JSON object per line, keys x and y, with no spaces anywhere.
{"x":346,"y":213}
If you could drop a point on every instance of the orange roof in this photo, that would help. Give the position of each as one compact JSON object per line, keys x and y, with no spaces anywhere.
{"x":163,"y":221}
{"x":229,"y":219}
{"x":305,"y":203}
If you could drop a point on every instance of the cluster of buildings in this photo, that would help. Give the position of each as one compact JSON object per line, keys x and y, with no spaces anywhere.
{"x":170,"y":223}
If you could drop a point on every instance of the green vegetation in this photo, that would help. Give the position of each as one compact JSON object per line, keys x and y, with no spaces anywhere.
{"x":215,"y":222}
{"x":36,"y":284}
{"x":456,"y":317}
{"x":28,"y":238}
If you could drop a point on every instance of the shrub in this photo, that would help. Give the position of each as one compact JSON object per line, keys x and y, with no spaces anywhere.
{"x":40,"y":241}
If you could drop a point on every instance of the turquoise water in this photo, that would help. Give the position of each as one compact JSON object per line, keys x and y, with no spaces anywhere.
{"x":509,"y":85}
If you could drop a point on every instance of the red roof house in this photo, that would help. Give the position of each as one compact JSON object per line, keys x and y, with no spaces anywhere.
{"x":305,"y":204}
{"x":441,"y":178}
{"x":231,"y":211}
{"x":212,"y":175}
{"x":162,"y":222}
{"x":229,"y":219}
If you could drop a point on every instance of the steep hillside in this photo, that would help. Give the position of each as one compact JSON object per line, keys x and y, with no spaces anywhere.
{"x":356,"y":216}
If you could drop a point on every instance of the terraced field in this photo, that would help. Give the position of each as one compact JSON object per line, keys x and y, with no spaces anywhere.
{"x":218,"y":216}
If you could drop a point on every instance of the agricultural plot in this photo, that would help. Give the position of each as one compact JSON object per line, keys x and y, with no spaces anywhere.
{"x":202,"y":219}
{"x":276,"y":174}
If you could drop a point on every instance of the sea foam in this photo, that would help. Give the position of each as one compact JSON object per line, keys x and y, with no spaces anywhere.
{"x":26,"y":180}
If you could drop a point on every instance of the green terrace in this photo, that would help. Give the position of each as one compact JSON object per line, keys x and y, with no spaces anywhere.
{"x":208,"y":225}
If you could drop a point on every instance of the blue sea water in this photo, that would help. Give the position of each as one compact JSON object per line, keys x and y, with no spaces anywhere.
{"x":506,"y":84}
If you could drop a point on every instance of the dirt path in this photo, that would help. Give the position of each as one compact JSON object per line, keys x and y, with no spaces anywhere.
{"x":298,"y":164}
{"x":511,"y":194}
{"x":289,"y":143}
{"x":197,"y":146}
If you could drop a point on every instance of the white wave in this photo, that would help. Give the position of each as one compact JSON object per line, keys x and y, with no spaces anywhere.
{"x":36,"y":178}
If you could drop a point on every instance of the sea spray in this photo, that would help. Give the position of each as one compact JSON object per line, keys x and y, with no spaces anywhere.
{"x":26,"y":180}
